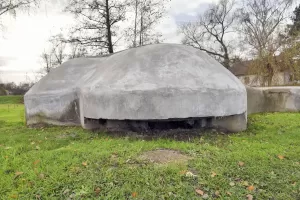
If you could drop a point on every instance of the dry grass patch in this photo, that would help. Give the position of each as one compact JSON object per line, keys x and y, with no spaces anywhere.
{"x":165,"y":156}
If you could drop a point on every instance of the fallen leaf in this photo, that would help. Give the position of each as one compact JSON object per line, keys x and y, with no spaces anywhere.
{"x":229,"y":193}
{"x":182,"y":172}
{"x":245,"y":183}
{"x":241,"y":164}
{"x":294,"y":184}
{"x":232,"y":184}
{"x":280,"y":157}
{"x":72,"y":196}
{"x":170,"y":194}
{"x":19,"y":173}
{"x":249,"y":197}
{"x":200,"y":192}
{"x":84,"y":164}
{"x":190,"y":174}
{"x":237,"y":179}
{"x":134,"y":194}
{"x":217,"y":193}
{"x":251,"y":188}
{"x":14,"y":196}
{"x":36,"y":162}
{"x":37,"y":148}
{"x":66,"y":191}
{"x":97,"y":191}
{"x":30,"y":184}
{"x":42,"y":176}
{"x":213,"y":174}
{"x":205,"y":196}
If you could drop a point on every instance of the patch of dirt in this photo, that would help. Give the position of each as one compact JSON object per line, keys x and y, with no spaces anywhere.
{"x":38,"y":126}
{"x":165,"y":156}
{"x":67,"y":135}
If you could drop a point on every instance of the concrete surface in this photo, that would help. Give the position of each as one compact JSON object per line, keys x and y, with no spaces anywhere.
{"x":273,"y":99}
{"x":155,"y":82}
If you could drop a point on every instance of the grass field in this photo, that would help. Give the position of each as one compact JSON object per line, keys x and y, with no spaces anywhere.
{"x":11,"y":99}
{"x":71,"y":163}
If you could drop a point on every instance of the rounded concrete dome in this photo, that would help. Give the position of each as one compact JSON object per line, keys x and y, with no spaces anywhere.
{"x":161,"y":82}
{"x":154,"y":82}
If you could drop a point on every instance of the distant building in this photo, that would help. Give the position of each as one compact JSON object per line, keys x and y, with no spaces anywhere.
{"x":242,"y":70}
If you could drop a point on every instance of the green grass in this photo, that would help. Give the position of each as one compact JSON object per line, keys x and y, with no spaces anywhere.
{"x":50,"y":160}
{"x":16,"y":99}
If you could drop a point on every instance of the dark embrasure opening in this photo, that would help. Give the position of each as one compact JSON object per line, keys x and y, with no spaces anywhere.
{"x":149,"y":125}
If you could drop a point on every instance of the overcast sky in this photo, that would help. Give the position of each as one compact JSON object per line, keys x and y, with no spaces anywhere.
{"x":25,"y":37}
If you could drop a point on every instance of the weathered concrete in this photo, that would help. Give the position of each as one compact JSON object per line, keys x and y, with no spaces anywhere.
{"x":234,"y":123}
{"x":273,"y":99}
{"x":155,"y":82}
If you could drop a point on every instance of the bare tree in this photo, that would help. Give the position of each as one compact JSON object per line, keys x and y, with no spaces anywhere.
{"x":97,"y":23}
{"x":55,"y":56}
{"x":294,"y":29}
{"x":209,"y":33}
{"x":47,"y":61}
{"x":10,"y":6}
{"x":263,"y":29}
{"x":59,"y":51}
{"x":261,"y":22}
{"x":77,"y":51}
{"x":63,"y":49}
{"x":147,"y":14}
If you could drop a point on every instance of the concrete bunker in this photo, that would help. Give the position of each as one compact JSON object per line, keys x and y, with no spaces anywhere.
{"x":151,"y":88}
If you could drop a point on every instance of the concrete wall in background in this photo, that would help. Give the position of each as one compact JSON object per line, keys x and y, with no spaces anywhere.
{"x":273,"y":99}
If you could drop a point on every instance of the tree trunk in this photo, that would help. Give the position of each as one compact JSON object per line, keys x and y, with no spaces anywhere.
{"x":108,"y":26}
{"x":227,"y":62}
{"x":270,"y":74}
{"x":226,"y":57}
{"x":141,"y":31}
{"x":135,"y":23}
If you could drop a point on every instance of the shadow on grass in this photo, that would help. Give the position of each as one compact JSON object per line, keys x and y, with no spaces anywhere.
{"x":2,"y":123}
{"x":194,"y":136}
